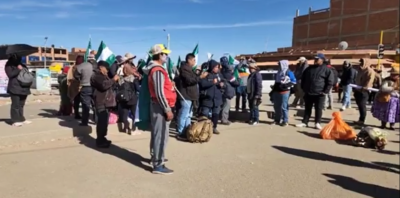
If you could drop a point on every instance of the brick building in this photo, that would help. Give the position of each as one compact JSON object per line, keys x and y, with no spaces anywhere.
{"x":75,"y":51}
{"x":49,"y":53}
{"x":358,"y":22}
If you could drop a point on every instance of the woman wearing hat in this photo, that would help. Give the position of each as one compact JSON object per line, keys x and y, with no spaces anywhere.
{"x":386,"y":106}
{"x":127,"y":95}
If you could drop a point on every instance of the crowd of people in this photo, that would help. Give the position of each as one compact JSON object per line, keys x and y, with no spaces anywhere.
{"x":204,"y":91}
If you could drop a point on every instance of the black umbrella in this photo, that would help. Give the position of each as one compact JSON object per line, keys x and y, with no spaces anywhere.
{"x":18,"y":49}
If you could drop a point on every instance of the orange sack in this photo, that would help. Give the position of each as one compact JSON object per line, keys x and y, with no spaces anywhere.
{"x":337,"y":129}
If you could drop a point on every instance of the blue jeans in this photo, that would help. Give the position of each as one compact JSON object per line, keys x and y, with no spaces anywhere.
{"x":241,"y":92}
{"x":184,"y":115}
{"x":347,"y":89}
{"x":86,"y":100}
{"x":254,"y":111}
{"x":281,"y":107}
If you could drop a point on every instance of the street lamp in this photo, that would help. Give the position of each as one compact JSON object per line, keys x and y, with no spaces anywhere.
{"x":45,"y":52}
{"x":168,"y":39}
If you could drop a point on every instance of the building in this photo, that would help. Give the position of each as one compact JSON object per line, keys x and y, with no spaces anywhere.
{"x":268,"y":61}
{"x":50,"y":53}
{"x":75,"y":51}
{"x":358,"y":22}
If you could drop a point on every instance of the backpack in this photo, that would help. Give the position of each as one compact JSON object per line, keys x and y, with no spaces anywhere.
{"x":25,"y":77}
{"x":200,"y":131}
{"x":229,"y":91}
{"x":125,"y":93}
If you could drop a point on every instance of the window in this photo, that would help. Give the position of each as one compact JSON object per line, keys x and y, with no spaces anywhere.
{"x":268,"y":76}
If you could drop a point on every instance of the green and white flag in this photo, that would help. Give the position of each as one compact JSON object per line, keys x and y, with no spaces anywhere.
{"x":196,"y":54}
{"x":209,"y":56}
{"x":88,"y":49}
{"x":178,"y":65}
{"x":105,"y":54}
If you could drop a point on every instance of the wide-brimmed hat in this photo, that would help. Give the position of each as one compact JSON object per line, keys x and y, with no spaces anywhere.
{"x":302,"y":59}
{"x":128,"y":56}
{"x":253,"y":65}
{"x":395,"y":71}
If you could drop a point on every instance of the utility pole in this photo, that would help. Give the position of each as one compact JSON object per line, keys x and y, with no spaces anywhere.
{"x":168,"y":39}
{"x":45,"y":52}
{"x":381,"y":49}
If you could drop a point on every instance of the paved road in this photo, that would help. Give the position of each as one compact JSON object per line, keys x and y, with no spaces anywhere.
{"x":45,"y":160}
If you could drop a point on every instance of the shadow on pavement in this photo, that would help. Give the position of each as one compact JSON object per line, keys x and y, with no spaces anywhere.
{"x":312,"y":135}
{"x":388,"y":152}
{"x":330,"y":158}
{"x":6,"y":120}
{"x":370,"y":190}
{"x":388,"y":165}
{"x":83,"y":135}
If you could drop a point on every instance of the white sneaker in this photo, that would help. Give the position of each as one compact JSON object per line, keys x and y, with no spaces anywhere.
{"x":318,"y":126}
{"x":343,"y":108}
{"x":27,"y":122}
{"x":254,"y":123}
{"x":301,"y":125}
{"x":17,"y":124}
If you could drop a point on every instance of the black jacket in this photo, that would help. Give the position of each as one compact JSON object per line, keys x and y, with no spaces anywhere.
{"x":335,"y":75}
{"x":348,"y":76}
{"x":229,"y":80}
{"x":14,"y":87}
{"x":187,"y":83}
{"x":210,"y":93}
{"x":317,"y":80}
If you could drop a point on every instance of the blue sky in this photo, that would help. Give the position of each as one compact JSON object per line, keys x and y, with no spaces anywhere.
{"x":219,"y":26}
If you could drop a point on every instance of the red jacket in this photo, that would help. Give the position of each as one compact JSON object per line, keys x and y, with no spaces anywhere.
{"x":169,"y":90}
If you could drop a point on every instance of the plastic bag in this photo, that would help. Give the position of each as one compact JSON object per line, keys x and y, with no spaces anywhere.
{"x":337,"y":129}
{"x":113,"y":118}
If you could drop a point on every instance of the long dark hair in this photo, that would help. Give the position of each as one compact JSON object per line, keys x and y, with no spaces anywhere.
{"x":14,"y":60}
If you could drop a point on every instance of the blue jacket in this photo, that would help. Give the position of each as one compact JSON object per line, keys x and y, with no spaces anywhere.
{"x":210,"y":93}
{"x":285,"y":79}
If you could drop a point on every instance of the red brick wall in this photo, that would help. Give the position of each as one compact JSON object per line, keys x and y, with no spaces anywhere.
{"x":359,"y":23}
